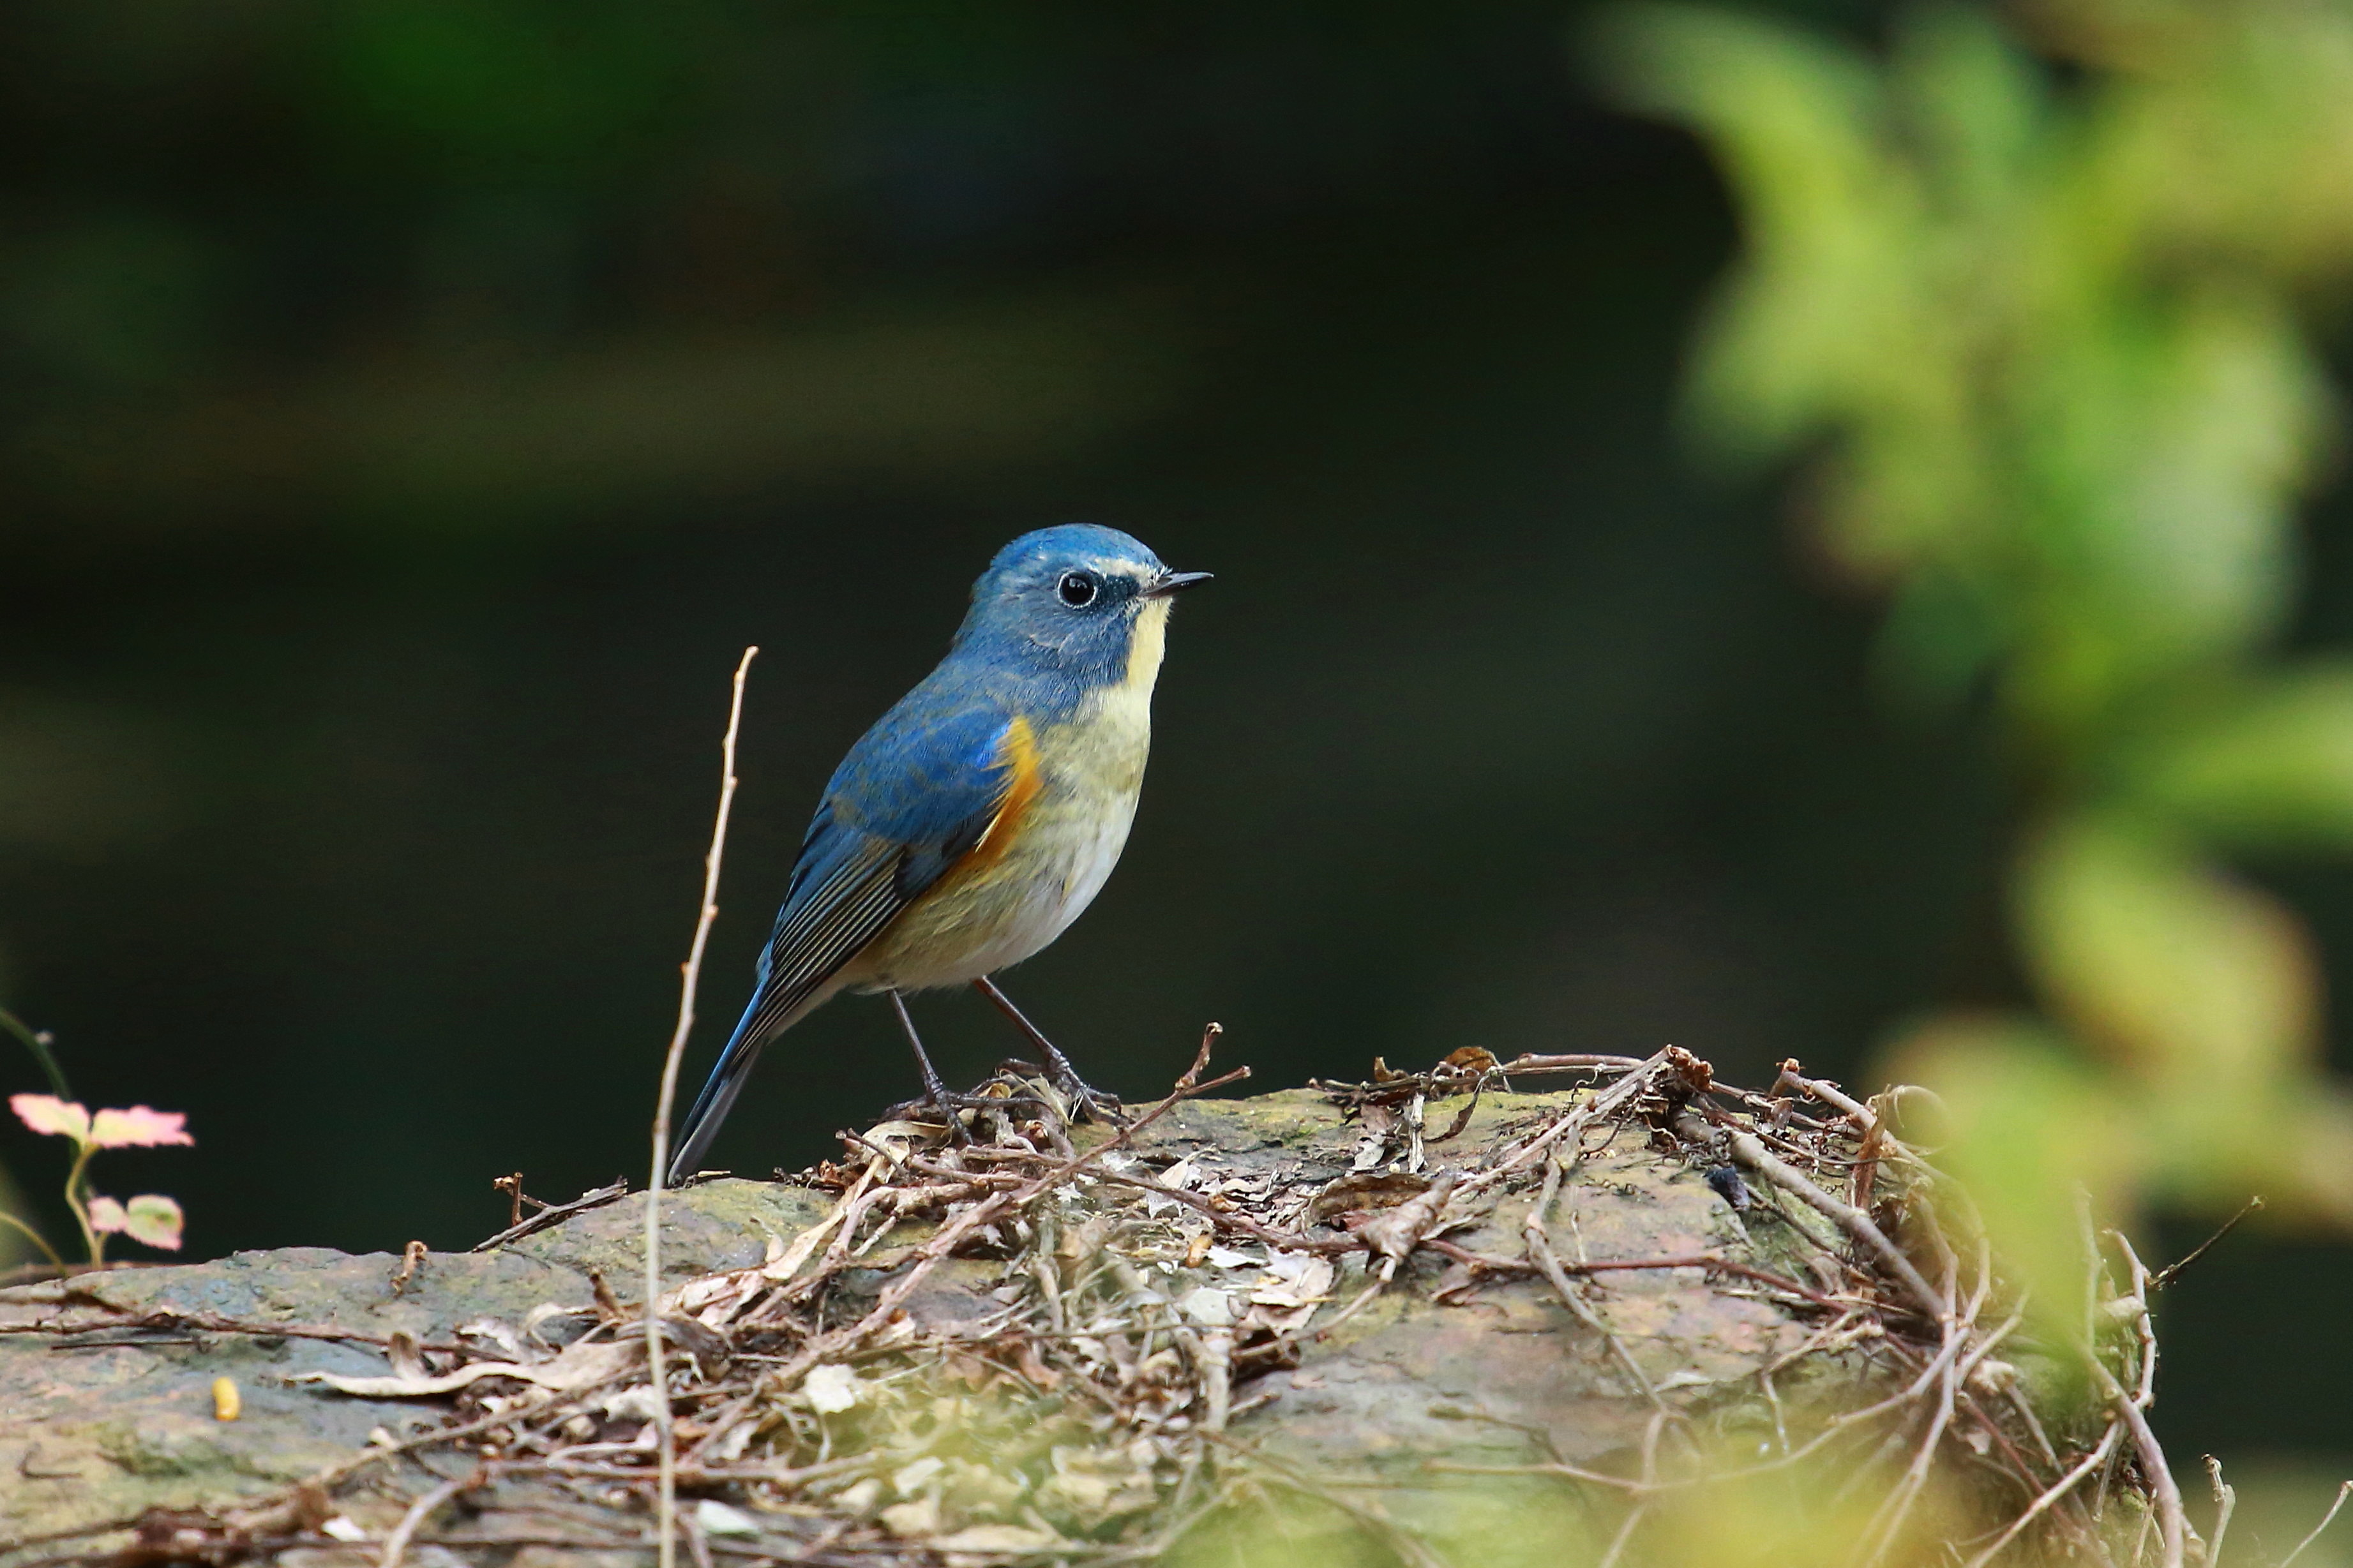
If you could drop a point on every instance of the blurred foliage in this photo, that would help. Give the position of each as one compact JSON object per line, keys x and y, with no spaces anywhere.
{"x":2032,"y":294}
{"x":1757,"y":1515}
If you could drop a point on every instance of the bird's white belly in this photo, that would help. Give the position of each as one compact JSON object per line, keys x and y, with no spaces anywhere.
{"x":1012,"y":908}
{"x":1066,"y":868}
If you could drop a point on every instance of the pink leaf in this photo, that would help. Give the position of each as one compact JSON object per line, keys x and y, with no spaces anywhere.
{"x":106,"y":1216}
{"x":139,"y":1127}
{"x":155,"y":1220}
{"x":47,"y":1113}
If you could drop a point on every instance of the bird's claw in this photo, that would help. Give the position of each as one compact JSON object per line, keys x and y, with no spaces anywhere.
{"x":949,"y":1106}
{"x":1091,"y":1103}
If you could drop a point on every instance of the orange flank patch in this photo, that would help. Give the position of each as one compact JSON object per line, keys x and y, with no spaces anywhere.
{"x":1019,"y":752}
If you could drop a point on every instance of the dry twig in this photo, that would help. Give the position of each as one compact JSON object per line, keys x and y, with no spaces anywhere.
{"x":707,"y":912}
{"x":556,"y":1214}
{"x":422,"y":1509}
{"x":2325,"y":1520}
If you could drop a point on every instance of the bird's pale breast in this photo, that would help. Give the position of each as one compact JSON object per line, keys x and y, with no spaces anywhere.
{"x":1043,"y":863}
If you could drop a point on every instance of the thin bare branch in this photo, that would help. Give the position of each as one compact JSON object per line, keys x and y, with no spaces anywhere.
{"x":2049,"y":1497}
{"x":556,"y":1214}
{"x":2226,"y":1502}
{"x":2172,"y":1525}
{"x":2171,"y":1271}
{"x":422,"y":1509}
{"x":2325,"y":1520}
{"x":1749,"y":1151}
{"x":691,"y":974}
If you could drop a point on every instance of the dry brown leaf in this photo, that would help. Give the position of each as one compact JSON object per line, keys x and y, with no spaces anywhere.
{"x":1396,"y":1232}
{"x":1366,"y":1191}
{"x":1378,"y":1121}
{"x":575,"y":1367}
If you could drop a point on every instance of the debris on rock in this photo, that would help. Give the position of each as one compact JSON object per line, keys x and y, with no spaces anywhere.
{"x":1414,"y":1312}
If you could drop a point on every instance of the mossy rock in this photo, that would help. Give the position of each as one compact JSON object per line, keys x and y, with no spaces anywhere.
{"x":1389,"y":1409}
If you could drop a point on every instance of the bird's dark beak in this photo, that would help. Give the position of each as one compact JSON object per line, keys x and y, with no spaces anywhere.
{"x":1171,"y":582}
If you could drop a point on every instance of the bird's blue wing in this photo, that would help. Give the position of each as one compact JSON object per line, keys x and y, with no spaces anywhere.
{"x":915,"y":795}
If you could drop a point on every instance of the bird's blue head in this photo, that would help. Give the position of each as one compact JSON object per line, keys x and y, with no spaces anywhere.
{"x":1081,"y":602}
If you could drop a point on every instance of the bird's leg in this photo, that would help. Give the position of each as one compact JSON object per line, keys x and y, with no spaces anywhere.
{"x":1098,"y":1107}
{"x":934,"y":1092}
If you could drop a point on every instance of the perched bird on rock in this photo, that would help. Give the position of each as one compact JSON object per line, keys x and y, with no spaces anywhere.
{"x":979,"y":817}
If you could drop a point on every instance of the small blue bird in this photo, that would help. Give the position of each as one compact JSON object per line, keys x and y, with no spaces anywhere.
{"x":975,"y":821}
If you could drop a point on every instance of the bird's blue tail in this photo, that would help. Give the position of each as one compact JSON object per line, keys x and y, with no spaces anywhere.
{"x":718,"y":1096}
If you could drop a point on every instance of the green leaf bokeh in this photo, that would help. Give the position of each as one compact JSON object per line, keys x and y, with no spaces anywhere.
{"x":2029,"y":297}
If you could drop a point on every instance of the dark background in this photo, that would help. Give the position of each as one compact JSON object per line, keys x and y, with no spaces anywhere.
{"x":409,"y":409}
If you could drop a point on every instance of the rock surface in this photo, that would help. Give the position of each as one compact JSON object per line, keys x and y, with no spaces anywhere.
{"x":106,"y":1422}
{"x":107,"y":1379}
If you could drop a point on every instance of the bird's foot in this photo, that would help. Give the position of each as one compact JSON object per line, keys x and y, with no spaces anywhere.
{"x":1088,"y":1103}
{"x":948,"y":1108}
{"x":1094,"y":1103}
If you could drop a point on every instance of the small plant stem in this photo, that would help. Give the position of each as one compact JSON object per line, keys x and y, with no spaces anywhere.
{"x":666,"y":1497}
{"x":2325,"y":1520}
{"x":2226,"y":1500}
{"x":39,"y":1046}
{"x":2171,"y":1527}
{"x":396,"y":1543}
{"x":37,"y":1238}
{"x":79,"y":1202}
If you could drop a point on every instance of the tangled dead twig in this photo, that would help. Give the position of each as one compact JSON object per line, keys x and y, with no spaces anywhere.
{"x":553,"y":1214}
{"x":999,"y":1351}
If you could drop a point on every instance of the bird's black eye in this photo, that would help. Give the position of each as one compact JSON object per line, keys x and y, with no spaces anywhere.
{"x":1077,"y":589}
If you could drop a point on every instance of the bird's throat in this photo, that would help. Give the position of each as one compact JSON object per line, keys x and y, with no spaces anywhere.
{"x":1145,"y":646}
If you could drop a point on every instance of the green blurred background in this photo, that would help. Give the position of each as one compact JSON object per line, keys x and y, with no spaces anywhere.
{"x":409,"y":408}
